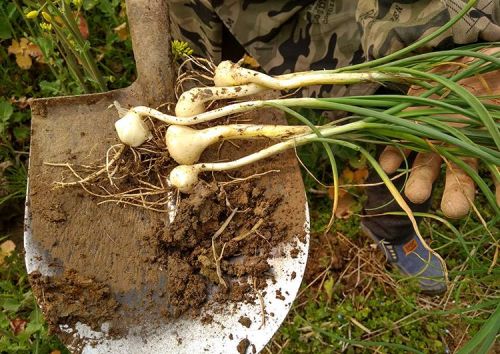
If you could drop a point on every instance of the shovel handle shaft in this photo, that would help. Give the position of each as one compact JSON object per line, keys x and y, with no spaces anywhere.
{"x":150,"y":31}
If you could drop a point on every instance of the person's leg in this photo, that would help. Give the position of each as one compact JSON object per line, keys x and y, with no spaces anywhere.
{"x":396,"y":236}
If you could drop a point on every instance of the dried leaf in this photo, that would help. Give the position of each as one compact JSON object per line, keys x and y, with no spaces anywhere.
{"x":345,"y":203}
{"x":5,"y":165}
{"x":83,"y":25}
{"x":14,"y":48}
{"x":33,"y":50}
{"x":21,"y":102}
{"x":356,"y":177}
{"x":347,"y":175}
{"x":24,"y":50}
{"x":6,"y":249}
{"x":122,"y":31}
{"x":18,"y":325}
{"x":55,"y":351}
{"x":24,"y":61}
{"x":249,"y":61}
{"x":360,"y":175}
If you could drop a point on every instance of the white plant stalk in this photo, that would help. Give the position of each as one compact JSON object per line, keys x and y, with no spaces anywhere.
{"x":193,"y":101}
{"x":185,"y":177}
{"x":185,"y":145}
{"x":232,"y":81}
{"x":234,"y":108}
{"x":231,"y":74}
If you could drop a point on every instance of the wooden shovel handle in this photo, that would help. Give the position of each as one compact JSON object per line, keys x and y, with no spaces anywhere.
{"x":149,"y":24}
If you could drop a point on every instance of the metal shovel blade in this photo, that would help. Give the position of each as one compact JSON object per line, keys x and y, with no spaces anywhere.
{"x":66,"y":229}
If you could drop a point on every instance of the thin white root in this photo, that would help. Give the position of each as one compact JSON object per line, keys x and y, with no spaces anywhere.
{"x":218,"y":257}
{"x":92,"y":176}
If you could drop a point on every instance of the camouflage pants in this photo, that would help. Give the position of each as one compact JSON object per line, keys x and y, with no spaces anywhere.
{"x":285,"y":36}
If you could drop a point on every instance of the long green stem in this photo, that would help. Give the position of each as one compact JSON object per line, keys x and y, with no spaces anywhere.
{"x":329,"y":152}
{"x":474,"y":103}
{"x":421,"y":129}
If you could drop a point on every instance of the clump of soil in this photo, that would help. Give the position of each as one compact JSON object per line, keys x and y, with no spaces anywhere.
{"x":245,"y":321}
{"x":71,"y":298}
{"x":234,"y":262}
{"x":242,"y":346}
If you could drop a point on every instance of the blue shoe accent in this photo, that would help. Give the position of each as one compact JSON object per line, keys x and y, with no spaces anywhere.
{"x":415,"y":258}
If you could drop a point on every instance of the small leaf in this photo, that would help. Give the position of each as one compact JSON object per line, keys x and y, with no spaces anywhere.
{"x":24,"y":61}
{"x":5,"y":32}
{"x":249,"y":61}
{"x":21,"y":133}
{"x":18,"y":325}
{"x":328,"y":286}
{"x":83,"y":26}
{"x":6,"y":249}
{"x":9,"y":304}
{"x":4,"y":321}
{"x":6,"y":111}
{"x":50,"y":88}
{"x":345,"y":205}
{"x":14,"y":47}
{"x":122,"y":31}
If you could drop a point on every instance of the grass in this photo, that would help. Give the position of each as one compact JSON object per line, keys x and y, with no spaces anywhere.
{"x":350,"y":300}
{"x":20,"y":309}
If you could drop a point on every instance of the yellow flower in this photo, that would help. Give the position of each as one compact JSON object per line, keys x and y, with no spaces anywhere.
{"x":46,"y":26}
{"x":32,"y":14}
{"x":46,"y":16}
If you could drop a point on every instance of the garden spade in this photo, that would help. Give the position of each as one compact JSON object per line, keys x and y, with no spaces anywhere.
{"x":66,"y":229}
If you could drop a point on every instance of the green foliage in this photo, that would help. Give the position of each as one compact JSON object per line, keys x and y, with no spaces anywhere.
{"x":320,"y":328}
{"x":17,"y":303}
{"x":402,"y":321}
{"x":63,"y":62}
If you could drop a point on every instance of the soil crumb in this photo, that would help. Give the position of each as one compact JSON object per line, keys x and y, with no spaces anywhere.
{"x":71,"y":298}
{"x":245,"y":321}
{"x":242,"y":346}
{"x":235,"y":262}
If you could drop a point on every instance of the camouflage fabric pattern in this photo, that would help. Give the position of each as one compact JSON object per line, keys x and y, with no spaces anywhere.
{"x":287,"y":36}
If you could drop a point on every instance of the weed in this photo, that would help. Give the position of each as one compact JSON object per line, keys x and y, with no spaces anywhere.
{"x":22,"y":327}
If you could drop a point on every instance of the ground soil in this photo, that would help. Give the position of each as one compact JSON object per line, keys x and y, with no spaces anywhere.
{"x":187,"y":249}
{"x":70,"y":298}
